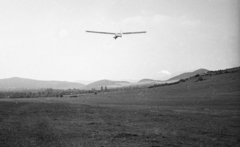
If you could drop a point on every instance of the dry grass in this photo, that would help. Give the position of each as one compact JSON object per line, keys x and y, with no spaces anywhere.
{"x":203,"y":113}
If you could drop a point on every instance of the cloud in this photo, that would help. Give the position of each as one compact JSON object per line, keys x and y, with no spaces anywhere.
{"x":139,"y":20}
{"x":156,"y":19}
{"x":165,"y":72}
{"x":183,"y":21}
{"x":190,"y":23}
{"x":161,"y":20}
{"x":63,"y":33}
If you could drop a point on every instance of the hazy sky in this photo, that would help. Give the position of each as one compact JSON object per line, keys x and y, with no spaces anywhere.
{"x":46,"y":39}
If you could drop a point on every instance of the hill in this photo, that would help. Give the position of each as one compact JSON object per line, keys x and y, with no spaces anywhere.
{"x":98,"y":84}
{"x":22,"y":83}
{"x":189,"y":74}
{"x":148,"y":80}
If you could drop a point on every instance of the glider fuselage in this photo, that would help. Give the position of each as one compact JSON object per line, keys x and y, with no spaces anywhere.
{"x":117,"y":35}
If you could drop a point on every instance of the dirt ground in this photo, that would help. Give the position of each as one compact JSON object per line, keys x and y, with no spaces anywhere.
{"x":191,"y":113}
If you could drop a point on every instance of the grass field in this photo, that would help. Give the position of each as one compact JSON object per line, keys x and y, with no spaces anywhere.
{"x":191,"y":113}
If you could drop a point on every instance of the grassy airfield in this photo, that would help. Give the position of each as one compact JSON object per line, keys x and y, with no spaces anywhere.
{"x":192,"y":113}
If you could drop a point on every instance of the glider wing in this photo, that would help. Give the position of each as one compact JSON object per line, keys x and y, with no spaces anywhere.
{"x":101,"y":32}
{"x":134,"y":32}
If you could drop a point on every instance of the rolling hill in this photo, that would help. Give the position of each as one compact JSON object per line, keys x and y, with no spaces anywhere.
{"x":16,"y":83}
{"x":148,"y":80}
{"x":98,"y":84}
{"x":188,"y":74}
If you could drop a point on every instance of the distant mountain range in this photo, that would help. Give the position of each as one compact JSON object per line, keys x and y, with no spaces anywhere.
{"x":21,"y":83}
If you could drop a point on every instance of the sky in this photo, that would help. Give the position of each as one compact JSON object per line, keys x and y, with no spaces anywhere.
{"x":46,"y":39}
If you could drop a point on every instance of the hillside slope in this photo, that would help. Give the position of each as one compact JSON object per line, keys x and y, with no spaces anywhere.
{"x":188,"y":74}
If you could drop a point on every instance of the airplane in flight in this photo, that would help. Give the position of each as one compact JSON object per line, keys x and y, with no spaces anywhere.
{"x":116,"y":34}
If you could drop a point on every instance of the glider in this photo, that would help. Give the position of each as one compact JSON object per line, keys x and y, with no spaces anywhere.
{"x":116,"y":34}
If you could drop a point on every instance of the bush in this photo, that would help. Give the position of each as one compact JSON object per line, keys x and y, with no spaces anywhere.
{"x":182,"y":80}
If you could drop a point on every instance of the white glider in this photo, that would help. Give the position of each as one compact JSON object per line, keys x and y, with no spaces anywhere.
{"x":116,"y":34}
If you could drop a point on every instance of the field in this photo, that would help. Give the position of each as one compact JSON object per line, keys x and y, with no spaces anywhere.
{"x":191,"y":113}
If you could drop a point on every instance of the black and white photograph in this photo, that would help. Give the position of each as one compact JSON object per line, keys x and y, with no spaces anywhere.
{"x":119,"y":73}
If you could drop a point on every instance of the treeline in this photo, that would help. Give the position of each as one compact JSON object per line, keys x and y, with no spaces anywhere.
{"x":166,"y":84}
{"x":36,"y":93}
{"x":49,"y":92}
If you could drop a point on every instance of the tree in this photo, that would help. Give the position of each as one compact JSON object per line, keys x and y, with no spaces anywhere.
{"x":105,"y":88}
